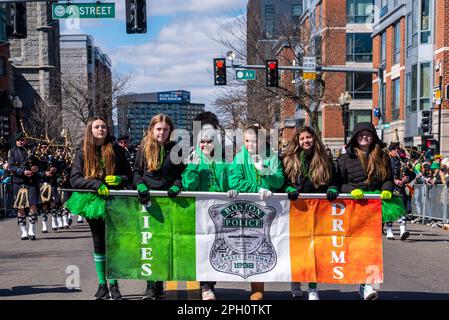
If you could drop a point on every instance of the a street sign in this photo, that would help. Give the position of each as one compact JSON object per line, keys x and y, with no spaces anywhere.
{"x":386,"y":125}
{"x":437,"y":95}
{"x":83,"y":10}
{"x":309,"y":76}
{"x":246,"y":74}
{"x":309,"y":64}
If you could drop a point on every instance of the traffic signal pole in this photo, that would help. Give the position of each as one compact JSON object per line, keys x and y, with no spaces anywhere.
{"x":440,"y":80}
{"x":299,"y":68}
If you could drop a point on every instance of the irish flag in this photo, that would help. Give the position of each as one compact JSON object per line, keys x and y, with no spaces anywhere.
{"x":210,"y":237}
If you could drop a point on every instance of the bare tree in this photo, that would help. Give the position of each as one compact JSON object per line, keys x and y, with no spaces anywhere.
{"x":231,"y":108}
{"x":45,"y":122}
{"x":294,"y":40}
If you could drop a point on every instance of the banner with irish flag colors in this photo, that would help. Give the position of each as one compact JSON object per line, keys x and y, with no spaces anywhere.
{"x":210,"y":237}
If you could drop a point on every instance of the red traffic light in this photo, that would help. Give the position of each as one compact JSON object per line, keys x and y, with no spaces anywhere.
{"x":272,"y":65}
{"x":219,"y":64}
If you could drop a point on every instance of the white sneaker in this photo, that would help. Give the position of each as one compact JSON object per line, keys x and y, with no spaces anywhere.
{"x":367,"y":292}
{"x":390,"y":235}
{"x":208,"y":295}
{"x":313,"y":294}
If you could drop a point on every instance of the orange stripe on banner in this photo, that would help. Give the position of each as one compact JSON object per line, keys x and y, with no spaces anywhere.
{"x":338,"y":242}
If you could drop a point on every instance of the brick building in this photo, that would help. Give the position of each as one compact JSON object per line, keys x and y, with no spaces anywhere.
{"x":340,"y":33}
{"x":413,"y":54}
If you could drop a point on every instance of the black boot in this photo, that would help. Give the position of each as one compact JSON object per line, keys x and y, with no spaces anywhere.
{"x":115,"y":292}
{"x":102,"y":292}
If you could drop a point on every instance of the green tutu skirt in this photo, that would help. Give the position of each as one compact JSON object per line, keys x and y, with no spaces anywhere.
{"x":88,"y":205}
{"x":392,"y":209}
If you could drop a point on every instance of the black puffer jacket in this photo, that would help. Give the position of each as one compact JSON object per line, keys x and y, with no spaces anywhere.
{"x":122,"y":168}
{"x":168,"y":175}
{"x":350,"y":168}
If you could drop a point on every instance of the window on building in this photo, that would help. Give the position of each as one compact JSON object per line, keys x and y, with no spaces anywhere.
{"x":359,"y":85}
{"x":359,"y":47}
{"x":296,"y":10}
{"x":425,"y":21}
{"x":358,"y":11}
{"x":357,"y":116}
{"x":408,"y":95}
{"x":396,"y":2}
{"x":383,"y":7}
{"x":383,"y":49}
{"x":3,"y":36}
{"x":396,"y":99}
{"x":2,"y":67}
{"x":318,"y":49}
{"x":397,"y":43}
{"x":414,"y":24}
{"x":269,"y":21}
{"x":414,"y":88}
{"x":424,"y":88}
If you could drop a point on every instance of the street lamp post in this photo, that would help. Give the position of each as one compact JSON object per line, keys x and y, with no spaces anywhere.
{"x":345,"y":100}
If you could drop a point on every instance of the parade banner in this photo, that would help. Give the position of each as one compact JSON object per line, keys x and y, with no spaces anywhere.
{"x":214,"y":238}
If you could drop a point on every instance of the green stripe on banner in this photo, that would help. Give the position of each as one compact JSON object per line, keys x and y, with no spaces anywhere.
{"x":154,"y":245}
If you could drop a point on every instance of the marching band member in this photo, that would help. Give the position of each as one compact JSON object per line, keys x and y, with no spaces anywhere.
{"x":98,"y":166}
{"x":154,"y":169}
{"x":249,"y":172}
{"x":308,"y":169}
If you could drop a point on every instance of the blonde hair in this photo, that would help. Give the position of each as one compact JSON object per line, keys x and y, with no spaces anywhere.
{"x":150,"y":147}
{"x":92,"y":164}
{"x":320,"y":167}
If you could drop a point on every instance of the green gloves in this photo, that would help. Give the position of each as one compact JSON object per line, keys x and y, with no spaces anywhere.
{"x":113,"y":180}
{"x":331,"y":194}
{"x":173,"y":191}
{"x":357,"y":194}
{"x":103,"y":190}
{"x":386,"y":195}
{"x":143,"y":193}
{"x":292,"y":193}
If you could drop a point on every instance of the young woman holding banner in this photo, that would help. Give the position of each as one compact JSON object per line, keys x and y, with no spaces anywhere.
{"x":98,"y":165}
{"x":308,"y":169}
{"x":250,"y":173}
{"x":154,"y":169}
{"x":207,"y":171}
{"x":365,"y":168}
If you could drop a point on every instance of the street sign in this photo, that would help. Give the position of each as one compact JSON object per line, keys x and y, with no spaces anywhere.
{"x":309,"y":76}
{"x":437,"y":95}
{"x":246,"y":74}
{"x":83,"y":10}
{"x":386,"y":125}
{"x":309,"y":64}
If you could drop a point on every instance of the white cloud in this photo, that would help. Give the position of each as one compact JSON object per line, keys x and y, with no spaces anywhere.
{"x":181,"y":57}
{"x":169,"y":7}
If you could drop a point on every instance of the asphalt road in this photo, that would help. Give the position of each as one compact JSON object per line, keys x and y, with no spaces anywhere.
{"x":39,"y":270}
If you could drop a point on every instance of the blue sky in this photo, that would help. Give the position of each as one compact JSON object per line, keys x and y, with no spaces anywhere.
{"x":177,"y":50}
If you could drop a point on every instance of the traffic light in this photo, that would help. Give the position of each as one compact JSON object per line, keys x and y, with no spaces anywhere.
{"x":5,"y":128}
{"x":136,"y":16}
{"x":17,"y":25}
{"x":426,"y":121}
{"x":220,"y":72}
{"x":431,"y":144}
{"x":272,"y":73}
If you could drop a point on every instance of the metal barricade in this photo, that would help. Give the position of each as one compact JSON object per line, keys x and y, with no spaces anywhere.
{"x":430,"y":202}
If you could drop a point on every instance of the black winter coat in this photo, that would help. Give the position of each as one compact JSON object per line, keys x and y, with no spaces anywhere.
{"x":122,"y":168}
{"x":304,"y":185}
{"x":19,"y":161}
{"x":350,"y":168}
{"x":167,"y":176}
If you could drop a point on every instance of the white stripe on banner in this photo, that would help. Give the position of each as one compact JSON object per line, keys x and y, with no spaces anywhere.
{"x":226,"y":252}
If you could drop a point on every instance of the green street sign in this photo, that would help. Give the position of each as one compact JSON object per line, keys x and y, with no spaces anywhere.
{"x":386,"y":125}
{"x":83,"y":10}
{"x":246,"y":74}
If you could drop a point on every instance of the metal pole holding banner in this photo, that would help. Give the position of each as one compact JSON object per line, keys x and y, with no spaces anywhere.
{"x":280,"y":196}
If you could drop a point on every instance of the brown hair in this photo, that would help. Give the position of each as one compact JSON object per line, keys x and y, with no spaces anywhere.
{"x":92,"y":163}
{"x":150,"y":147}
{"x":320,"y":167}
{"x":376,"y":164}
